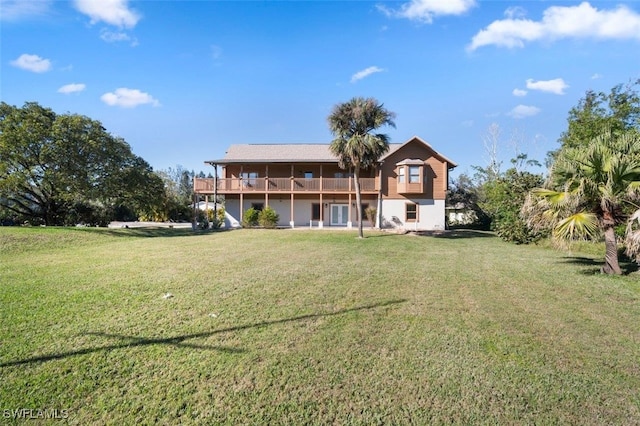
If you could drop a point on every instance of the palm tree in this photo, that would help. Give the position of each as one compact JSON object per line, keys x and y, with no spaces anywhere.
{"x":589,"y":191}
{"x":356,"y":147}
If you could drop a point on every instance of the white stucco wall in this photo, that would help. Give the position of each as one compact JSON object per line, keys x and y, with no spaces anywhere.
{"x":430,"y":214}
{"x":302,"y":211}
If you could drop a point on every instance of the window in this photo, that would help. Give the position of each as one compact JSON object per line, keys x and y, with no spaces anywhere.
{"x":414,"y":174}
{"x":257,"y":206}
{"x":338,"y":175}
{"x":308,"y":175}
{"x":401,"y":174}
{"x":315,"y":211}
{"x":411,"y":212}
{"x":249,"y":178}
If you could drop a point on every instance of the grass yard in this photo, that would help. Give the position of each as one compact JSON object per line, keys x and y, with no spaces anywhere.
{"x":311,"y":327}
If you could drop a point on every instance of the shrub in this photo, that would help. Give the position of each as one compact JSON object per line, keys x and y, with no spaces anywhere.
{"x":268,"y":218}
{"x":371,"y":212}
{"x":221,"y":214}
{"x":250,"y":217}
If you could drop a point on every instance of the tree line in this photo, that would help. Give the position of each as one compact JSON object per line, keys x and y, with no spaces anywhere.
{"x":66,"y":169}
{"x":591,"y":190}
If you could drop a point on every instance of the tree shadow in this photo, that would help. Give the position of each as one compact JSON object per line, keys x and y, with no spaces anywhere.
{"x":152,"y":232}
{"x":182,"y":340}
{"x":593,"y":266}
{"x":456,"y":234}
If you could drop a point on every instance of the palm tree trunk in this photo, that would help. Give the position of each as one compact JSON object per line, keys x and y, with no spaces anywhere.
{"x":611,"y":265}
{"x":356,"y":178}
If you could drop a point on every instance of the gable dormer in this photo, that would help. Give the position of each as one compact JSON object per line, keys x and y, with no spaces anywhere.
{"x":410,"y":176}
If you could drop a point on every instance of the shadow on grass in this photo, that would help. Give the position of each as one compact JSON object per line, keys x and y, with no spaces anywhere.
{"x":456,"y":234}
{"x":593,"y":266}
{"x":150,"y":232}
{"x":179,"y":341}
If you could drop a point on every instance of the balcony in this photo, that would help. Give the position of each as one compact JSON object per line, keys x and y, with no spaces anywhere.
{"x":284,"y":185}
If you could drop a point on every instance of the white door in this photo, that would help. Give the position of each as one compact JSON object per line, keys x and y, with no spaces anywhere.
{"x":339,"y":214}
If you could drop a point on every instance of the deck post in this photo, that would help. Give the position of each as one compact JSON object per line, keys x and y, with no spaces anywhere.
{"x":291,"y":212}
{"x":215,"y":190}
{"x":349,"y":221}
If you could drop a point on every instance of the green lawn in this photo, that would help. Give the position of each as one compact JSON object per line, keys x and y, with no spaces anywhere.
{"x":312,"y":327}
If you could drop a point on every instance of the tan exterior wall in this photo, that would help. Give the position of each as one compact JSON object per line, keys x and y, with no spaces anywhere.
{"x":435,"y":172}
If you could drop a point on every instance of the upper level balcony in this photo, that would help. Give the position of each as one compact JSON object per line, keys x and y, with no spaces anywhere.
{"x":284,"y":185}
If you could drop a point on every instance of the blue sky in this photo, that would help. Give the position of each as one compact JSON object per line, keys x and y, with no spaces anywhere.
{"x":182,"y":80}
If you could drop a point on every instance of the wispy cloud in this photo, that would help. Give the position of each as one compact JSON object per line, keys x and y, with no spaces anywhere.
{"x":128,"y":98}
{"x":426,"y":10}
{"x":558,"y":22}
{"x":14,"y":10}
{"x":523,"y":111}
{"x":112,"y":12}
{"x":596,"y":76}
{"x":556,"y":86}
{"x":33,"y":63}
{"x":117,"y":36}
{"x":72,"y":88}
{"x":216,"y":52}
{"x":519,"y":92}
{"x":365,"y":73}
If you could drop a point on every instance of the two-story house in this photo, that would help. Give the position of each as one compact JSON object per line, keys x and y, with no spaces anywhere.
{"x":305,"y":186}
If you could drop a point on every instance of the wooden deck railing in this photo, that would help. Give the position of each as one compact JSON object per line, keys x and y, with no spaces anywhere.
{"x":288,"y":184}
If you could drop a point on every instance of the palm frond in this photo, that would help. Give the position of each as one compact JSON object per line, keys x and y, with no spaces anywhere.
{"x":582,"y":225}
{"x":632,"y":236}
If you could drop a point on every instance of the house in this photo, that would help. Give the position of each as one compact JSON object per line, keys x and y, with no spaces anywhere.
{"x":305,"y":186}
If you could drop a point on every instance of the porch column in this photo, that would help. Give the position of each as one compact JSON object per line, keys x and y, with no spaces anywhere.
{"x":321,"y":223}
{"x":379,"y":207}
{"x":291,"y":212}
{"x":241,"y":204}
{"x":215,"y":190}
{"x":349,"y":221}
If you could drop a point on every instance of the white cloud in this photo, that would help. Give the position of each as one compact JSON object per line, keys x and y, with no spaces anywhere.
{"x":112,"y":12}
{"x":596,"y":76}
{"x":365,"y":73}
{"x":519,"y":92}
{"x":426,"y":10}
{"x":515,"y":12}
{"x":556,"y":86}
{"x":558,"y":22}
{"x":13,"y":10}
{"x":522,"y":111}
{"x":216,"y":51}
{"x":128,"y":98}
{"x":114,"y":37}
{"x":72,"y":88}
{"x":32,"y":63}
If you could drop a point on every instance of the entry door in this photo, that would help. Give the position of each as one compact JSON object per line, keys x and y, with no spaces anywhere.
{"x":339,"y":214}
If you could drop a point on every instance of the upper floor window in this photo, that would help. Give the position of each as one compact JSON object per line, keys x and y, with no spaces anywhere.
{"x":401,"y":177}
{"x":414,"y":174}
{"x":308,"y":175}
{"x":249,"y":178}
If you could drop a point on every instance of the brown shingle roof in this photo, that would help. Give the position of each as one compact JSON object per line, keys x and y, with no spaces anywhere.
{"x":298,"y":153}
{"x":280,"y":153}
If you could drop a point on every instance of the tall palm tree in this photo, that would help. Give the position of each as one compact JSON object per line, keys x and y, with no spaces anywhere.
{"x":589,"y":191}
{"x":356,"y":146}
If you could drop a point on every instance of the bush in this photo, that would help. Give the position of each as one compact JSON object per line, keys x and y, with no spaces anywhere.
{"x":250,"y":217}
{"x":371,"y":212}
{"x":221,"y":215}
{"x":268,"y":218}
